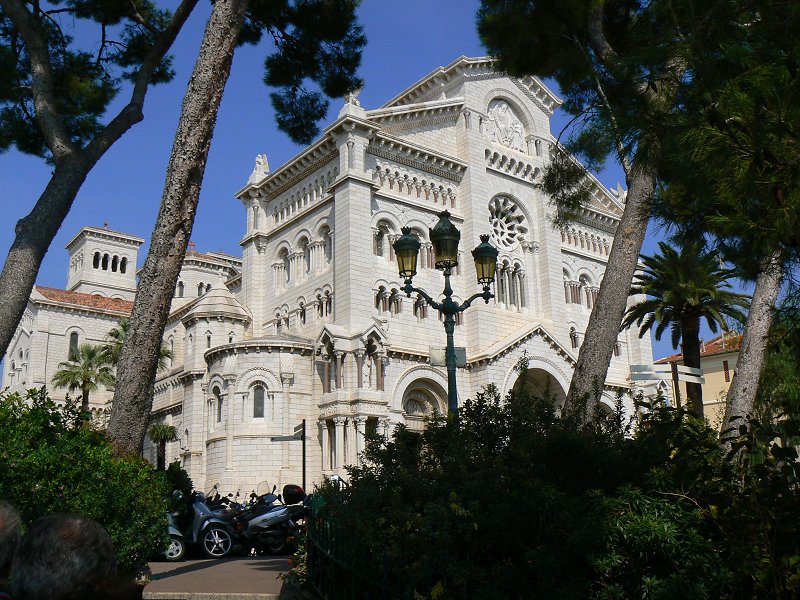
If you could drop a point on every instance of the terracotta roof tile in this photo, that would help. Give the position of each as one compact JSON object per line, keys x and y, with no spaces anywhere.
{"x":81,"y":299}
{"x":733,"y":342}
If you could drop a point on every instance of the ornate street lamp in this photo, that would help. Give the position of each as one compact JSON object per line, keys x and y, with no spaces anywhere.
{"x":445,"y":237}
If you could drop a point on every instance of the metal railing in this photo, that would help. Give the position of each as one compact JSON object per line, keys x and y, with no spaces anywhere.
{"x":338,"y":566}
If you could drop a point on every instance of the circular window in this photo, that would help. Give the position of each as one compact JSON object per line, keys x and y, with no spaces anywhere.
{"x":508,"y":222}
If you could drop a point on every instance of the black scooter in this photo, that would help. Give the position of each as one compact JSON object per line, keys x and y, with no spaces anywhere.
{"x":197,"y":525}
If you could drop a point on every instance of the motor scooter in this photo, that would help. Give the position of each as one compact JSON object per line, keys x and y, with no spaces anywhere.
{"x":200,"y":526}
{"x":268,"y":527}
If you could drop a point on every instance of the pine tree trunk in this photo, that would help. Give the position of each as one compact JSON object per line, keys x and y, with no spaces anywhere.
{"x":690,"y":333}
{"x":34,"y":234}
{"x":742,"y":393}
{"x":133,"y":396}
{"x":594,"y":357}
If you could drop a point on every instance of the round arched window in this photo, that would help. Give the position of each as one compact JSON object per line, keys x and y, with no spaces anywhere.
{"x":508,"y":223}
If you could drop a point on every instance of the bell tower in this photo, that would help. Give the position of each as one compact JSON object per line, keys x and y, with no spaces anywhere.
{"x":103,"y":262}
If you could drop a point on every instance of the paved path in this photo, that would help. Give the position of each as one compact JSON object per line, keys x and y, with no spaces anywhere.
{"x":243,"y":578}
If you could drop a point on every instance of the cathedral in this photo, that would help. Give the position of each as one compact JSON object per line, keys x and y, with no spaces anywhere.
{"x":285,"y":357}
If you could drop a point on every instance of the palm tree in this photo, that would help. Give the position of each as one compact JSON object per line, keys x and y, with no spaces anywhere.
{"x":683,"y":287}
{"x":160,"y":434}
{"x":116,"y":337}
{"x":86,"y":368}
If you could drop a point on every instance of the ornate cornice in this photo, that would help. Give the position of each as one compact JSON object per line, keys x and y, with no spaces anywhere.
{"x":294,"y":171}
{"x":465,"y":68}
{"x":417,"y":115}
{"x":411,"y":155}
{"x":266,"y":345}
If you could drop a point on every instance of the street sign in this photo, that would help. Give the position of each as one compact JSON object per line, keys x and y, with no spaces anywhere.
{"x":665,"y":372}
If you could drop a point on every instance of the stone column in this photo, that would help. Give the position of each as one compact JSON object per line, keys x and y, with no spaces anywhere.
{"x":359,"y":424}
{"x":229,"y":424}
{"x":380,"y":375}
{"x":339,"y":368}
{"x":324,"y":441}
{"x":279,"y":272}
{"x":339,"y":458}
{"x":326,"y":376}
{"x":359,"y":368}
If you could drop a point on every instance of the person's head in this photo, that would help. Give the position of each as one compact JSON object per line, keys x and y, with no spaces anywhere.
{"x":63,"y":557}
{"x":10,"y":531}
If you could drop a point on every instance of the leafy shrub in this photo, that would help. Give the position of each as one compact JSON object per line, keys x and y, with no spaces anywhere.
{"x":514,"y":501}
{"x":52,"y":461}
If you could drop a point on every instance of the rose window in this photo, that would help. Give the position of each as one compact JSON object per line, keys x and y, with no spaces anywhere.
{"x":508,"y":222}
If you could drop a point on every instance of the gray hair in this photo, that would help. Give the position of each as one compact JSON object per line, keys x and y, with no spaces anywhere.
{"x":10,"y":532}
{"x":63,"y":557}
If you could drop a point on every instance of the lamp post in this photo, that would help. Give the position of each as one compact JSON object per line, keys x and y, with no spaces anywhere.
{"x":444,"y":237}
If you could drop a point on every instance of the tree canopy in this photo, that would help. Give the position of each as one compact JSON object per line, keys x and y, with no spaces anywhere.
{"x":682,"y":287}
{"x":86,"y":368}
{"x":619,"y":65}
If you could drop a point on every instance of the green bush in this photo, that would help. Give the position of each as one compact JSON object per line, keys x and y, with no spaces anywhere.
{"x":52,"y":461}
{"x":513,"y":501}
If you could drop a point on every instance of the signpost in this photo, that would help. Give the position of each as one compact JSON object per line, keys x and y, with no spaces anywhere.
{"x":668,"y":372}
{"x":298,"y":436}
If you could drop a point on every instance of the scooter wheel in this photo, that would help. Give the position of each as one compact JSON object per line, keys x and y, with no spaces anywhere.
{"x":217,"y":542}
{"x":274,"y":544}
{"x":176,"y":549}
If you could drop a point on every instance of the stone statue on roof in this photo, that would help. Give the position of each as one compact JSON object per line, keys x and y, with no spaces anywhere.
{"x":261,"y":169}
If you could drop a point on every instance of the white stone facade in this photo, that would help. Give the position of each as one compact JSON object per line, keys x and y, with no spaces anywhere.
{"x":310,"y":325}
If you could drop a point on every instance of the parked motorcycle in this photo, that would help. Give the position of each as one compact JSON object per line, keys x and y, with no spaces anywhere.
{"x":272,"y":521}
{"x":199,"y":526}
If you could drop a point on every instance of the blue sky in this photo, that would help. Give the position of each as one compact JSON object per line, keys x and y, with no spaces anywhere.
{"x":405,"y":42}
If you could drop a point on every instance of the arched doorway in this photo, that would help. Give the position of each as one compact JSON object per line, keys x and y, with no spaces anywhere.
{"x":422,"y":399}
{"x":538,"y":382}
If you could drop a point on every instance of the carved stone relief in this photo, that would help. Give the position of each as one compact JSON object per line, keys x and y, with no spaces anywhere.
{"x":504,"y":127}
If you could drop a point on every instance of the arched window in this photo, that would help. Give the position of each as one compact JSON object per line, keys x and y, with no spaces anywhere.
{"x":421,"y":254}
{"x":123,"y":265}
{"x":208,"y":339}
{"x":200,"y":288}
{"x":394,"y":302}
{"x":114,"y":263}
{"x":258,"y":402}
{"x":171,"y":351}
{"x":327,"y":244}
{"x":287,"y":272}
{"x":328,"y":303}
{"x":380,"y":239}
{"x":73,"y":345}
{"x":420,"y":308}
{"x":304,"y":246}
{"x":219,"y":403}
{"x":302,"y":314}
{"x":179,"y":290}
{"x":573,"y":337}
{"x":96,"y":260}
{"x":380,"y":296}
{"x":105,"y":262}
